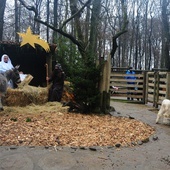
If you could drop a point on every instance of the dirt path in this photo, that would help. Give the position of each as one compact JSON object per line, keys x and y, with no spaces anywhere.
{"x":153,"y":155}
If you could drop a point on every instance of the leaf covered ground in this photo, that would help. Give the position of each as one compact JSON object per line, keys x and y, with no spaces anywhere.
{"x":52,"y":125}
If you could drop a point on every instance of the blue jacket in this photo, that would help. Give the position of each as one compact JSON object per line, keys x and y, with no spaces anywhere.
{"x":128,"y":72}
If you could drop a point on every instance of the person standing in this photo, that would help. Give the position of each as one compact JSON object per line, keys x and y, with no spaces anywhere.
{"x":131,"y":84}
{"x":57,"y":78}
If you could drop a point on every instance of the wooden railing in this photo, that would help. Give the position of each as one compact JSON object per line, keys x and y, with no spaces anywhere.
{"x":153,"y":86}
{"x":157,"y":87}
{"x":120,"y":87}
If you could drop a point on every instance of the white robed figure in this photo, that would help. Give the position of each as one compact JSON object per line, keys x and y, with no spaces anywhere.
{"x":5,"y":65}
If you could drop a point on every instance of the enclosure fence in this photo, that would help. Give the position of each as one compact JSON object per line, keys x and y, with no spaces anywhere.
{"x":149,"y":86}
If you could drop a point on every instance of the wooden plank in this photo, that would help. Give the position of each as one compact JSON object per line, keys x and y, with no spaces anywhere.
{"x":125,"y":91}
{"x":162,"y":92}
{"x":116,"y":74}
{"x":163,"y":79}
{"x":125,"y":80}
{"x":162,"y":86}
{"x":151,"y":84}
{"x":162,"y":73}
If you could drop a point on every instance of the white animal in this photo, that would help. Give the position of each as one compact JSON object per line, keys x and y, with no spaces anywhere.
{"x":164,"y":111}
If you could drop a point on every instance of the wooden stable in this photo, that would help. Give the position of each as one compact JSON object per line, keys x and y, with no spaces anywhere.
{"x":31,"y":60}
{"x":150,"y":86}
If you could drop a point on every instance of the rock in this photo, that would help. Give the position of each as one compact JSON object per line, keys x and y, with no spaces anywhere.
{"x":118,"y":145}
{"x":83,"y":148}
{"x":155,"y":137}
{"x":145,"y":140}
{"x":13,"y":147}
{"x":140,"y":142}
{"x":93,"y":148}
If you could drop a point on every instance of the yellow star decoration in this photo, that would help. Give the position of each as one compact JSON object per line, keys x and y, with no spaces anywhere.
{"x":29,"y":38}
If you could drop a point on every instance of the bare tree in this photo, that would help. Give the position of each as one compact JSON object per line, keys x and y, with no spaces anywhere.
{"x":71,"y":22}
{"x":2,"y":9}
{"x":75,"y":14}
{"x":165,"y":35}
{"x":123,"y":29}
{"x":16,"y":20}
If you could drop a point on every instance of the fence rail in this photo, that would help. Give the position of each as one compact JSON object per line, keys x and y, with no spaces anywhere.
{"x":119,"y":86}
{"x":152,"y":86}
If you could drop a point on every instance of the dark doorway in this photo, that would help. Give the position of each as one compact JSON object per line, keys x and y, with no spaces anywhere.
{"x":31,"y":60}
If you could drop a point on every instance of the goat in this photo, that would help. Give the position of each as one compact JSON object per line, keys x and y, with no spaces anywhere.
{"x":13,"y":75}
{"x":164,"y":111}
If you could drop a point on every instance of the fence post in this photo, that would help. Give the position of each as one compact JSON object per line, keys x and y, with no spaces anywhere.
{"x":168,"y":85}
{"x":157,"y":89}
{"x":146,"y":87}
{"x":154,"y":89}
{"x":104,"y":86}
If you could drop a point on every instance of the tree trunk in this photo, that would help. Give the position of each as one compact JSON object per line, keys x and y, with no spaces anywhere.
{"x":48,"y":15}
{"x":93,"y":30}
{"x":165,"y":36}
{"x":16,"y":21}
{"x":2,"y":9}
{"x":55,"y":10}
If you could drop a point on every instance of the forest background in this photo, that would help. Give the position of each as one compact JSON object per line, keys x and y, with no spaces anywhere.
{"x":133,"y":32}
{"x":144,"y":45}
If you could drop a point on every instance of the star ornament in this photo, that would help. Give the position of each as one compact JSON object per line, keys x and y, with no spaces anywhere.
{"x":29,"y":38}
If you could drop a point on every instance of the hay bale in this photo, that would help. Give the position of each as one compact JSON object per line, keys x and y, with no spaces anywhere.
{"x":26,"y":95}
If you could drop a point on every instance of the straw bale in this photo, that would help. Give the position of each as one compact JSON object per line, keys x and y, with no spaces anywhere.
{"x":26,"y":95}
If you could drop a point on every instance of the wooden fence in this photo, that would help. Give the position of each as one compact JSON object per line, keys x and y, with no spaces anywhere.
{"x":153,"y":86}
{"x":120,"y":88}
{"x":157,"y":87}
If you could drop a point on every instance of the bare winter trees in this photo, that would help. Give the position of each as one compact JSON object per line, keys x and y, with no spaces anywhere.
{"x":96,"y":28}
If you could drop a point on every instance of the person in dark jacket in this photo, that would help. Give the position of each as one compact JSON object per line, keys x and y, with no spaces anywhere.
{"x":57,"y":78}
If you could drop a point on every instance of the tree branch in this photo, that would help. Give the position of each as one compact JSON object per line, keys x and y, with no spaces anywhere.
{"x":122,"y":31}
{"x":30,"y":8}
{"x":60,"y":30}
{"x":76,"y":14}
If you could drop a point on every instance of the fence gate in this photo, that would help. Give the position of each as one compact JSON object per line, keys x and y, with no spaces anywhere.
{"x":120,"y":89}
{"x":157,"y":87}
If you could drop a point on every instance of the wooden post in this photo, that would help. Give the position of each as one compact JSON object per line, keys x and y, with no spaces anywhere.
{"x":168,"y":86}
{"x":157,"y":89}
{"x":154,"y":90}
{"x":146,"y":87}
{"x":46,"y":65}
{"x":49,"y":62}
{"x":104,"y":86}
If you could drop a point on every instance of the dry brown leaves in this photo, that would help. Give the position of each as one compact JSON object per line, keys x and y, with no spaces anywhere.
{"x":52,"y":125}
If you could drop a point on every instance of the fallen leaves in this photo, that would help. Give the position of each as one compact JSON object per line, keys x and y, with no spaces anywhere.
{"x":52,"y":125}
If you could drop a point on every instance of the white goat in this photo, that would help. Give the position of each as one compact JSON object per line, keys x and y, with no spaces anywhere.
{"x":164,"y":111}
